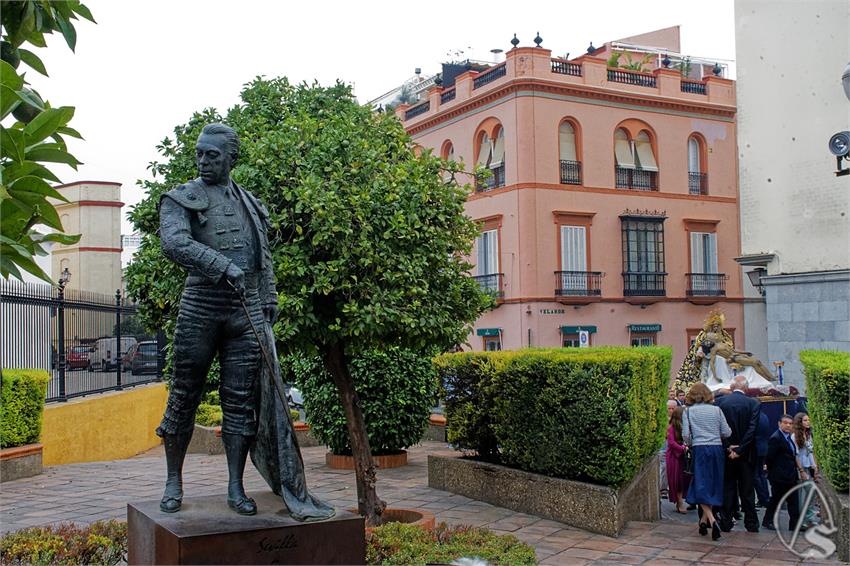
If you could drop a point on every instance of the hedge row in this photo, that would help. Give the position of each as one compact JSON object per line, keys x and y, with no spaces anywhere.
{"x":22,"y":394}
{"x":827,"y":385}
{"x":590,"y":414}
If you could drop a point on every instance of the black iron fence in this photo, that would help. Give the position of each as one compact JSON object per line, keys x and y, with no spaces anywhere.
{"x":697,"y":183}
{"x":566,"y":68}
{"x":88,"y":342}
{"x":494,"y":181}
{"x":491,"y":283}
{"x":693,"y":87}
{"x":417,"y":110}
{"x":637,"y":179}
{"x":706,"y":284}
{"x":570,"y":172}
{"x":639,"y":284}
{"x":631,"y":78}
{"x":448,"y":95}
{"x":489,"y":76}
{"x":578,"y":283}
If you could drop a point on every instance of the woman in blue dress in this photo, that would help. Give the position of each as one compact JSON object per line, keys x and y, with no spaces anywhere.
{"x":704,"y":427}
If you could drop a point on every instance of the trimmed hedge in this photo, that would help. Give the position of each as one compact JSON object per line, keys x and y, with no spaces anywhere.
{"x":22,"y":394}
{"x":827,"y":385}
{"x":397,"y":389}
{"x":587,"y":414}
{"x":102,"y":542}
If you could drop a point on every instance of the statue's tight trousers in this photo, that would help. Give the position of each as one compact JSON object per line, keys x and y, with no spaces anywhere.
{"x":212,"y":320}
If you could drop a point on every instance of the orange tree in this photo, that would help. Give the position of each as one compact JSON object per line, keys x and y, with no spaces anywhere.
{"x":368,"y":238}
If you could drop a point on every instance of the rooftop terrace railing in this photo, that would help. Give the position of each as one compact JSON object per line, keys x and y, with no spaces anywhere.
{"x":490,"y":76}
{"x":417,"y":110}
{"x":631,"y":78}
{"x":693,"y":87}
{"x":566,"y":68}
{"x":448,"y":95}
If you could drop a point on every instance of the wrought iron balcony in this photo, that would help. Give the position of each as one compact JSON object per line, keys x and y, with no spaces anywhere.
{"x":637,"y":179}
{"x":494,"y":181}
{"x":693,"y":87}
{"x":706,"y":284}
{"x":697,"y":183}
{"x":566,"y":68}
{"x":417,"y":110}
{"x":639,"y":284}
{"x":489,"y":76}
{"x":631,"y":78}
{"x":570,"y":172}
{"x":578,"y":283}
{"x":491,"y":283}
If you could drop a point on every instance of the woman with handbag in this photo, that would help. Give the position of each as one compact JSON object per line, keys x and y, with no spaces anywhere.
{"x":703,"y":428}
{"x":676,"y":458}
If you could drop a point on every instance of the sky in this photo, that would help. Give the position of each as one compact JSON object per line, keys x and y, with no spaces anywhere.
{"x":146,"y":66}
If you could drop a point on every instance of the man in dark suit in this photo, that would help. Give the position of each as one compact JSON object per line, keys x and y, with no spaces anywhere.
{"x":781,"y":464}
{"x":742,"y":414}
{"x":763,"y":432}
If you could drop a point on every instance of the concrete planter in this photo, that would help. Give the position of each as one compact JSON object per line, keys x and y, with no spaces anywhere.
{"x":417,"y":517}
{"x":839,"y":505}
{"x":383,"y":462}
{"x":206,"y":440}
{"x":20,"y":462}
{"x":305,"y":437}
{"x":596,"y":508}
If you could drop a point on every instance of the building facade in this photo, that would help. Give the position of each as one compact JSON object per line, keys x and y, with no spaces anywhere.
{"x":94,"y":211}
{"x":611,"y":207}
{"x":795,"y":213}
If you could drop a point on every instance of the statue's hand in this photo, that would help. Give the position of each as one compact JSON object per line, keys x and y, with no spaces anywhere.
{"x":270,"y":312}
{"x":236,"y":278}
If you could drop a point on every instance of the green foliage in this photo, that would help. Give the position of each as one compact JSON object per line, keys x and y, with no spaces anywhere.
{"x":208,"y":415}
{"x":399,"y":543}
{"x":827,"y":384}
{"x":368,"y":239}
{"x":36,"y":139}
{"x":592,"y":414}
{"x":396,"y":387}
{"x":630,"y":64}
{"x":22,"y":394}
{"x":103,"y":542}
{"x":294,"y":415}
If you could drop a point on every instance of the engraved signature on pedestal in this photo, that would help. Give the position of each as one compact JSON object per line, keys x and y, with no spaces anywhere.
{"x":277,"y":544}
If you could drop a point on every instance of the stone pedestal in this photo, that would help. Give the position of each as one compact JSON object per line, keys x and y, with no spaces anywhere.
{"x":205,"y":531}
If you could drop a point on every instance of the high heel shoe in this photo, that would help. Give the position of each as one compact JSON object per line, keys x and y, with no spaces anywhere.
{"x":703,"y":528}
{"x":715,"y":531}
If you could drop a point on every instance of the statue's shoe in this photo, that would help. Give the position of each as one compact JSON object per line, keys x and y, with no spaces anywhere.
{"x":170,"y":504}
{"x":243,"y":505}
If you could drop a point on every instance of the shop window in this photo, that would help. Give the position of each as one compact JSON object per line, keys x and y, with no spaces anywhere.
{"x":644,"y":339}
{"x":492,"y":343}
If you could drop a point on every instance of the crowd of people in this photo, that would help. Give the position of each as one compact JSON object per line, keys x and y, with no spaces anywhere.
{"x":722,"y":460}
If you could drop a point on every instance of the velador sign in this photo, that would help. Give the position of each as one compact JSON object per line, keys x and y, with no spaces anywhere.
{"x":583,"y":338}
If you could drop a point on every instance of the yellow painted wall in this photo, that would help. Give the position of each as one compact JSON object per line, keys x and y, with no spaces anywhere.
{"x":109,"y":426}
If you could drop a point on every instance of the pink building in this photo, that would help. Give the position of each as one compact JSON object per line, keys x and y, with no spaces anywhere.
{"x":613,"y":204}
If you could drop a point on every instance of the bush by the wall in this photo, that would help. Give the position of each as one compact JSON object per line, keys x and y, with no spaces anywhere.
{"x":208,"y":415}
{"x":22,"y":394}
{"x":396,"y":387}
{"x":827,"y":386}
{"x":103,"y":542}
{"x":593,"y":414}
{"x":399,"y":543}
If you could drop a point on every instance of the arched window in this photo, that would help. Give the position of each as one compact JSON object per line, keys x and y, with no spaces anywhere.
{"x":491,"y":155}
{"x":570,"y":166}
{"x":697,"y":177}
{"x":447,"y":153}
{"x":636,"y":167}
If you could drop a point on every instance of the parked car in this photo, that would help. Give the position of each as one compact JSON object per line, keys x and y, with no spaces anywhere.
{"x":142,"y":357}
{"x":79,"y":357}
{"x":107,"y":355}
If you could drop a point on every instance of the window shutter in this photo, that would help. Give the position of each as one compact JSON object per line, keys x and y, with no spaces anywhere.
{"x":643,"y":149}
{"x":711,"y":253}
{"x":693,"y":156}
{"x":623,"y":150}
{"x":488,"y":253}
{"x":484,"y":152}
{"x":697,"y":258}
{"x":498,"y":149}
{"x":567,"y":141}
{"x":573,"y":248}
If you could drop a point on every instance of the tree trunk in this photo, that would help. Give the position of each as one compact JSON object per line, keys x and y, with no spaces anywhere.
{"x":368,"y":503}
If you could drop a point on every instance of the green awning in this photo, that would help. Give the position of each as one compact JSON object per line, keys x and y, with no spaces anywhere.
{"x":575,"y":329}
{"x":488,"y":331}
{"x":644,"y":328}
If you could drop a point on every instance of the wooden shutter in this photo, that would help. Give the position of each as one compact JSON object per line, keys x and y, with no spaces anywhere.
{"x":567,"y":141}
{"x":573,"y":248}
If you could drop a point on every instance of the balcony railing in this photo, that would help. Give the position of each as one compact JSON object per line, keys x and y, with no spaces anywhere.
{"x":706,"y":284}
{"x":637,"y":179}
{"x":417,"y":110}
{"x":578,"y":283}
{"x":631,"y":78}
{"x":494,"y":181}
{"x":448,"y":95}
{"x":570,"y":172}
{"x":489,"y":76}
{"x":697,"y":183}
{"x":644,"y":284}
{"x":566,"y":68}
{"x":693,"y":87}
{"x":491,"y":283}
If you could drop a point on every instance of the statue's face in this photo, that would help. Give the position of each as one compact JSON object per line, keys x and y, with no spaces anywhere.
{"x":213,"y":160}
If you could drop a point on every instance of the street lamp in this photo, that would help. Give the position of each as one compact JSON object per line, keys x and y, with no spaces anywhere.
{"x":64,"y":279}
{"x":839,"y":144}
{"x":755,"y":278}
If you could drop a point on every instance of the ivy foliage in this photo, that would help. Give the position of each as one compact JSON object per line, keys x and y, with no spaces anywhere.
{"x":588,"y":414}
{"x":396,"y":387}
{"x":368,"y":239}
{"x":22,"y":394}
{"x":34,"y":136}
{"x":827,"y":383}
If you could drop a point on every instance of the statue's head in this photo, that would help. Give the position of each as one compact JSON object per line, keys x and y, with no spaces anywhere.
{"x":216,"y":153}
{"x":706,"y":346}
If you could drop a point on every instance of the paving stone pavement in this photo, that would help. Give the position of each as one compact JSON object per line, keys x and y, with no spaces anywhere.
{"x":88,"y":492}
